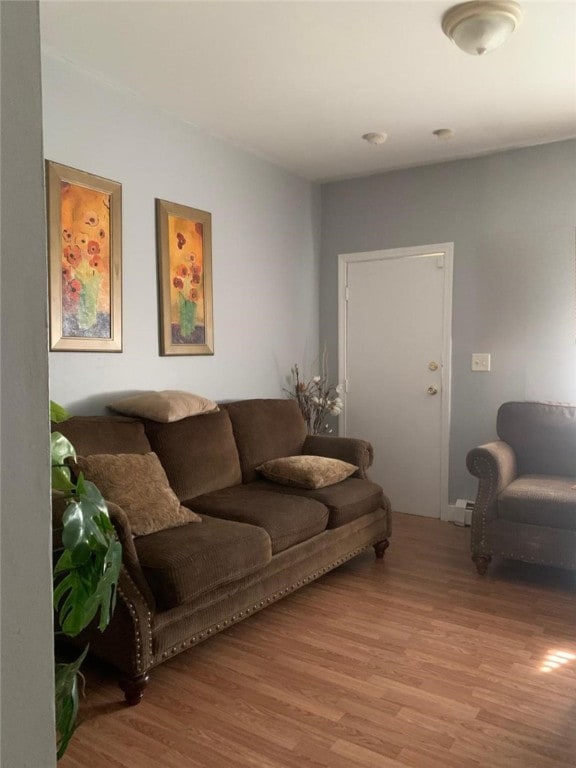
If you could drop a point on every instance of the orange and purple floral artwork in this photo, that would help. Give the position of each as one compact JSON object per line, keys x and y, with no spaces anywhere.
{"x":85,"y":238}
{"x":187,"y":296}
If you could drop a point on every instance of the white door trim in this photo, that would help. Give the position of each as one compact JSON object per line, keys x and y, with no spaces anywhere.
{"x":445,"y":250}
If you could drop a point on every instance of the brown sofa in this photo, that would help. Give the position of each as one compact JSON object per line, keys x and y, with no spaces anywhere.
{"x":257,"y":541}
{"x":526,"y":503}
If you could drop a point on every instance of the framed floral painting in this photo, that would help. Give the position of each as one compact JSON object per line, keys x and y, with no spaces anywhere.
{"x":185,"y":279}
{"x":85,"y":261}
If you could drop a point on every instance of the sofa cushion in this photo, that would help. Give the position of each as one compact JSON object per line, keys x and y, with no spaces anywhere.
{"x":264,"y":430}
{"x":540,"y":500}
{"x":543,"y":436}
{"x":288,"y":520}
{"x":182,"y":563}
{"x":198,"y":453}
{"x":346,"y":501}
{"x":165,"y":406}
{"x":104,"y":434}
{"x":306,"y":471}
{"x":137,"y":483}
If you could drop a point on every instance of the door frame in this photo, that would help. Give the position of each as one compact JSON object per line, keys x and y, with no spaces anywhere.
{"x":445,"y":250}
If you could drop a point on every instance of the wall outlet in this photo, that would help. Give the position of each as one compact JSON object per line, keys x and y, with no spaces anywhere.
{"x":481,"y":361}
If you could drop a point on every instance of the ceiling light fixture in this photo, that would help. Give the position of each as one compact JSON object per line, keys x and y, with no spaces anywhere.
{"x":375,"y":138}
{"x":480,"y":26}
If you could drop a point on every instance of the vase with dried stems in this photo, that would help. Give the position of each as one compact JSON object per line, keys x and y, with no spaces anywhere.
{"x":317,"y":398}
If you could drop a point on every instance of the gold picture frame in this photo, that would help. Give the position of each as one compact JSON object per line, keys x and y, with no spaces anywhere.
{"x":184,"y":249}
{"x":85,"y":260}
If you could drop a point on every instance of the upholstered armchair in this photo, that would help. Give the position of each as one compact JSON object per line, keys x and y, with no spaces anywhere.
{"x":525,"y":508}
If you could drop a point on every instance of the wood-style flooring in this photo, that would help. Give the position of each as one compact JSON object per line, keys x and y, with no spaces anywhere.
{"x":411,"y":662}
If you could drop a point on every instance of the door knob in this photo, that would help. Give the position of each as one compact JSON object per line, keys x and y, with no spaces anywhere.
{"x":432,"y":390}
{"x":433,"y":366}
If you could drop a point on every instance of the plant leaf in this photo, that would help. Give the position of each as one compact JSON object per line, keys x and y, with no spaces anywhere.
{"x":61,"y":478}
{"x":106,"y":590}
{"x":64,"y":563}
{"x":61,"y":448}
{"x":87,"y":572}
{"x":58,"y":413}
{"x":77,"y":605}
{"x":66,"y":697}
{"x":73,"y":526}
{"x":81,"y":554}
{"x":87,"y":491}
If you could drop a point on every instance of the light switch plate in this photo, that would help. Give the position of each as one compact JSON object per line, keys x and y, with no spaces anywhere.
{"x":481,"y":361}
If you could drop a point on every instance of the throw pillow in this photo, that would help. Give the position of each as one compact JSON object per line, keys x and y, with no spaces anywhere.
{"x":164,"y":406}
{"x":306,"y":471}
{"x":137,"y":483}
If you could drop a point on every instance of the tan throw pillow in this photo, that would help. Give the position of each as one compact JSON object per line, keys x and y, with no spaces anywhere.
{"x":137,"y":482}
{"x":306,"y":471}
{"x":164,"y":406}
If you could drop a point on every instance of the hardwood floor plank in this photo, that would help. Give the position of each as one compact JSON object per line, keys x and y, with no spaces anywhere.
{"x":362,"y":756}
{"x":410,"y":662}
{"x":430,"y":757}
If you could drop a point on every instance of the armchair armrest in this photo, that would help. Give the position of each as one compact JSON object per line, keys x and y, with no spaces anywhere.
{"x":350,"y":449}
{"x":494,"y":464}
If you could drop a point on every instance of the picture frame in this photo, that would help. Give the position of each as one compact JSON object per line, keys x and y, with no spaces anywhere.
{"x":184,"y":253}
{"x":84,"y":260}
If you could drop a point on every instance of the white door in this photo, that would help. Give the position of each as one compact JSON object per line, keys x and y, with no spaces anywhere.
{"x":395,"y":361}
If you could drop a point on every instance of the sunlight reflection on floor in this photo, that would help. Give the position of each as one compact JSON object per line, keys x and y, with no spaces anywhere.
{"x":556,"y":659}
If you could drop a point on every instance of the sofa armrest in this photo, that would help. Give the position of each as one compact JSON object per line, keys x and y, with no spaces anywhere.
{"x":350,"y":449}
{"x":130,"y":558}
{"x":494,"y":464}
{"x":121,"y":523}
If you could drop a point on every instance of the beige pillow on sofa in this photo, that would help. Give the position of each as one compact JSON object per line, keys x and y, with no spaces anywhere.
{"x":165,"y":406}
{"x":306,"y":471}
{"x":137,"y":483}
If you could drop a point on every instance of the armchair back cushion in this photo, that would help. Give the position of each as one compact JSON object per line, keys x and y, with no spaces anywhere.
{"x":543,"y":436}
{"x":264,"y":430}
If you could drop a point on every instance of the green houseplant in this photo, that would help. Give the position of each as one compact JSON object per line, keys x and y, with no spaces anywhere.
{"x":86,"y":571}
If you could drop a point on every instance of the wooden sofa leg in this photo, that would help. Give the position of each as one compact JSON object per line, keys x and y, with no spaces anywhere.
{"x":482,"y":563}
{"x":133,"y":688}
{"x":380,"y":547}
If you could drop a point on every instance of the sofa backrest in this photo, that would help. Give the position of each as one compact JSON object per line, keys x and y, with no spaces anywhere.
{"x":104,"y":434}
{"x":543,"y":436}
{"x":198,"y":454}
{"x":264,"y":430}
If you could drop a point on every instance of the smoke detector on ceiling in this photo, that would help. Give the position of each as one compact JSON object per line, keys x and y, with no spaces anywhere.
{"x":445,"y":134}
{"x":375,"y":138}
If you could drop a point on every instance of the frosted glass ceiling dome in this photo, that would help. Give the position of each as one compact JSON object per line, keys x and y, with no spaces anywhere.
{"x":481,"y":26}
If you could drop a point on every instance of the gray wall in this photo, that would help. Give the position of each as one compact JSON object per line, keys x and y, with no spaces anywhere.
{"x":265,"y":247}
{"x":26,"y":682}
{"x":512,"y":218}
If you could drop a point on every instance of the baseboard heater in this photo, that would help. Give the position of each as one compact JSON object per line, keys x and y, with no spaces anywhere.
{"x":462,"y":512}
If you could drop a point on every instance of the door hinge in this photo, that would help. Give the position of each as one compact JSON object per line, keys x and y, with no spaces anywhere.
{"x":346,"y":386}
{"x":346,"y":293}
{"x":440,"y":261}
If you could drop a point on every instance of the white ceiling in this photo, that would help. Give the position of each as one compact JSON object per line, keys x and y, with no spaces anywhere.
{"x":300,"y":82}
